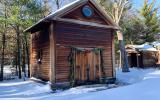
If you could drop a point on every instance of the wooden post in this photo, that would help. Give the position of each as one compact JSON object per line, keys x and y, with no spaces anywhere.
{"x":159,"y":57}
{"x":129,"y":59}
{"x":120,"y":60}
{"x":137,"y":59}
{"x":52,"y":54}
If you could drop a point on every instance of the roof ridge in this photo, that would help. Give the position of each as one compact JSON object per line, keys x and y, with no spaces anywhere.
{"x":71,"y":6}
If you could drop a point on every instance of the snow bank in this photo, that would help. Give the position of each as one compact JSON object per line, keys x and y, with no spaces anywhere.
{"x":144,"y":85}
{"x":19,"y":90}
{"x":135,"y":75}
{"x":156,"y":43}
{"x":7,"y":72}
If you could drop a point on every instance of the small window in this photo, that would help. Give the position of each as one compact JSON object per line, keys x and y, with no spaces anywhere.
{"x":87,"y":11}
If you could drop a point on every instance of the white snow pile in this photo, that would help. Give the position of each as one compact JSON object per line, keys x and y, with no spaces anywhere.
{"x":19,"y":90}
{"x":145,"y":47}
{"x":8,"y":72}
{"x":144,"y":85}
{"x":156,"y":43}
{"x":136,"y":75}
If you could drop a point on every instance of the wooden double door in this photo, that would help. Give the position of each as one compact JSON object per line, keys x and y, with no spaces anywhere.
{"x":88,"y":66}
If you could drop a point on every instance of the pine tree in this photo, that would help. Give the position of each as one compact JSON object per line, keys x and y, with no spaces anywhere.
{"x":20,"y":15}
{"x":149,"y":15}
{"x":3,"y":19}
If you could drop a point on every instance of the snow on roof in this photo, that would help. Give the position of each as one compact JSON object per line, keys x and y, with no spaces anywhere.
{"x":69,"y":6}
{"x":61,"y":9}
{"x":144,"y":47}
{"x":156,"y":43}
{"x":54,"y":13}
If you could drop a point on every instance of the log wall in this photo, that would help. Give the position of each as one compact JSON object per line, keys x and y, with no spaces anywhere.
{"x":81,"y":36}
{"x":40,"y":42}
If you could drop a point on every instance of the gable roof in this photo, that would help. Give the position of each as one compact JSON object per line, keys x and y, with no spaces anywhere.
{"x":70,"y":7}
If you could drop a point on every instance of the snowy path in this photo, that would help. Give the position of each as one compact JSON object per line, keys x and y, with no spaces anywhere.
{"x":145,"y":85}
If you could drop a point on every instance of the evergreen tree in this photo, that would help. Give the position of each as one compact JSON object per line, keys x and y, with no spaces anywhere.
{"x":149,"y":15}
{"x":20,"y":15}
{"x":143,"y":26}
{"x":3,"y":19}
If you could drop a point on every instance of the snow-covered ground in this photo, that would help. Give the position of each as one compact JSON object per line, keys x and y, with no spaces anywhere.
{"x":144,"y":84}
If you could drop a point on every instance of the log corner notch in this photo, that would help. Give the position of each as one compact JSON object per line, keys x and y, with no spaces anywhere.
{"x":125,"y":67}
{"x":52,"y":53}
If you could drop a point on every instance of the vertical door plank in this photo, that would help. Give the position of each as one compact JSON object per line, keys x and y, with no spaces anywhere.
{"x":99,"y":60}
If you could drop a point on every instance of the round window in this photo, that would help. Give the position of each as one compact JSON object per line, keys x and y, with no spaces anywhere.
{"x":87,"y":11}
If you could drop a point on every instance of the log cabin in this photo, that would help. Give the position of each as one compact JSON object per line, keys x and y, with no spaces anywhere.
{"x":74,"y":45}
{"x":142,"y":56}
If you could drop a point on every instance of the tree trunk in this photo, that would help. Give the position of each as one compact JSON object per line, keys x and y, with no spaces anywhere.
{"x":27,"y":55}
{"x":18,"y":53}
{"x":16,"y":62}
{"x":2,"y":59}
{"x":28,"y":60}
{"x":125,"y":67}
{"x":24,"y":61}
{"x":3,"y":44}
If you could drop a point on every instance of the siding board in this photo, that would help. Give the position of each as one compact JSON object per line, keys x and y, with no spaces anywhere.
{"x":80,"y":36}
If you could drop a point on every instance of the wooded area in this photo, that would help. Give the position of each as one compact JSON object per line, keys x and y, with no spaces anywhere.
{"x":16,"y":15}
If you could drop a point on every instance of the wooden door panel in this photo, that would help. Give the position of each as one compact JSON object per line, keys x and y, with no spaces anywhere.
{"x":87,"y":66}
{"x":91,"y":63}
{"x":97,"y":60}
{"x":78,"y":69}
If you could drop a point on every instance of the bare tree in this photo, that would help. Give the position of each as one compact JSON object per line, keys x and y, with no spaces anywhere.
{"x":47,"y":8}
{"x":116,"y":9}
{"x":57,"y":3}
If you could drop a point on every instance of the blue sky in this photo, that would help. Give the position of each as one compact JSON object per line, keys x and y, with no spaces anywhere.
{"x":136,"y":3}
{"x":139,"y":3}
